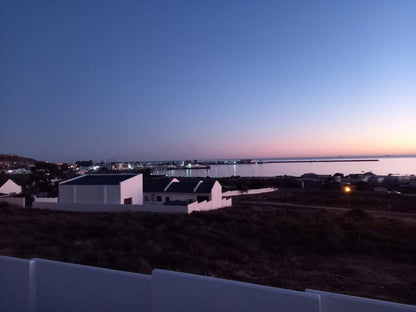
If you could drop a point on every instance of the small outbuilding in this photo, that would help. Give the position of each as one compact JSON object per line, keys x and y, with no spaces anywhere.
{"x":121,"y":189}
{"x":10,"y":187}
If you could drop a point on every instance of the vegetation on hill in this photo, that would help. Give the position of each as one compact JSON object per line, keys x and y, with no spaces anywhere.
{"x":352,"y":253}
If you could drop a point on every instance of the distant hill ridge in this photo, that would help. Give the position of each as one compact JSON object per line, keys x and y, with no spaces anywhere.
{"x":13,"y":160}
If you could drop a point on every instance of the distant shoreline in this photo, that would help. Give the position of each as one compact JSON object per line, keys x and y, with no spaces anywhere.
{"x":318,"y":160}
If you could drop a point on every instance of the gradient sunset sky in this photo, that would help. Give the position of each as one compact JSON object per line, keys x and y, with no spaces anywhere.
{"x":153,"y":80}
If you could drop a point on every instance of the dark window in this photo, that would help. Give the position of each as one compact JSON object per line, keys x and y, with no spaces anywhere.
{"x":128,"y":201}
{"x":167,"y":198}
{"x":146,"y":198}
{"x":159,"y":198}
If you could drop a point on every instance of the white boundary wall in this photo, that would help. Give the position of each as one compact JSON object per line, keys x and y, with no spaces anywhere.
{"x":14,"y":284}
{"x":46,"y":199}
{"x":203,"y":206}
{"x":41,"y":286}
{"x":18,"y":201}
{"x":110,"y":207}
{"x":249,"y":192}
{"x":174,"y":291}
{"x":209,"y":205}
{"x":343,"y":303}
{"x":67,"y":287}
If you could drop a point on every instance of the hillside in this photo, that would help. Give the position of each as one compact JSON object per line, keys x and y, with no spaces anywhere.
{"x":15,"y":161}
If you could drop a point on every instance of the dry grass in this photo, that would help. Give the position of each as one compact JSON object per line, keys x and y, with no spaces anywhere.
{"x":350,"y":253}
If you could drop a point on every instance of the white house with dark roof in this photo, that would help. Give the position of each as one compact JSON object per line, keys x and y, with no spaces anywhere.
{"x":172,"y":191}
{"x":122,"y":189}
{"x":124,"y":192}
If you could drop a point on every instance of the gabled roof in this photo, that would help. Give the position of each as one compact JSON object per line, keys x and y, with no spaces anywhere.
{"x":99,"y":179}
{"x":166,"y":185}
{"x":200,"y":187}
{"x":205,"y":187}
{"x":155,"y":185}
{"x":182,"y":187}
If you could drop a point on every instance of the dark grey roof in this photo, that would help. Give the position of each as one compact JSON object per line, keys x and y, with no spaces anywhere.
{"x":99,"y":179}
{"x":155,"y":185}
{"x":182,"y":187}
{"x":159,"y":185}
{"x":205,"y":187}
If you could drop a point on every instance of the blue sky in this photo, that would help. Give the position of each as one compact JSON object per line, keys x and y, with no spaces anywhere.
{"x":141,"y":80}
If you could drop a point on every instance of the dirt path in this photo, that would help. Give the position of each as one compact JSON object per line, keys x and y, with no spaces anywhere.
{"x":394,"y":214}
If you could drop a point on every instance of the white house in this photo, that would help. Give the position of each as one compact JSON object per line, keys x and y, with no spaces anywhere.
{"x":10,"y":187}
{"x":166,"y":191}
{"x":122,"y":189}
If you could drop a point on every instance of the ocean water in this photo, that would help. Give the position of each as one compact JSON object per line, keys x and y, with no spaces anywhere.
{"x":405,"y":165}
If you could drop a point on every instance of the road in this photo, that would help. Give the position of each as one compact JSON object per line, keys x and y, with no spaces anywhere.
{"x":339,"y":209}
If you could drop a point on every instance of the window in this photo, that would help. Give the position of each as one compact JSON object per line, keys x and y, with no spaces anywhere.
{"x":146,"y":198}
{"x":128,"y":201}
{"x":167,"y":198}
{"x":159,"y":198}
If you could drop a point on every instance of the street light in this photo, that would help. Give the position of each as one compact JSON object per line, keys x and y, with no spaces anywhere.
{"x":347,"y":190}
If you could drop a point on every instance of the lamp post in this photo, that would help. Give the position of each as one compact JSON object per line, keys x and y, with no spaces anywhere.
{"x":347,"y":190}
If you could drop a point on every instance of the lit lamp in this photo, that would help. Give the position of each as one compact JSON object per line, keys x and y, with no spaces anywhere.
{"x":347,"y":190}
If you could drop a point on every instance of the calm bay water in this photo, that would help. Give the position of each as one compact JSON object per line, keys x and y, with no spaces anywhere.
{"x":385,"y":165}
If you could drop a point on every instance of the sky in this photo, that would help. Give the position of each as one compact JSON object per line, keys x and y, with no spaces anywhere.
{"x":159,"y":80}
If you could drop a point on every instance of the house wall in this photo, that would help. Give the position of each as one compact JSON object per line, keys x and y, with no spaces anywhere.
{"x":133,"y":188}
{"x":10,"y":187}
{"x":216,"y":195}
{"x":172,"y":197}
{"x":92,"y":194}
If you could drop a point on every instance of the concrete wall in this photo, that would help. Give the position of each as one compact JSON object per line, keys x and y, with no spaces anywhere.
{"x":18,"y":201}
{"x":46,"y":199}
{"x":14,"y":284}
{"x":173,"y":291}
{"x":41,"y":286}
{"x":133,"y":188}
{"x":110,"y":208}
{"x":255,"y":191}
{"x":10,"y":187}
{"x":209,"y":205}
{"x":70,"y":287}
{"x":331,"y":302}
